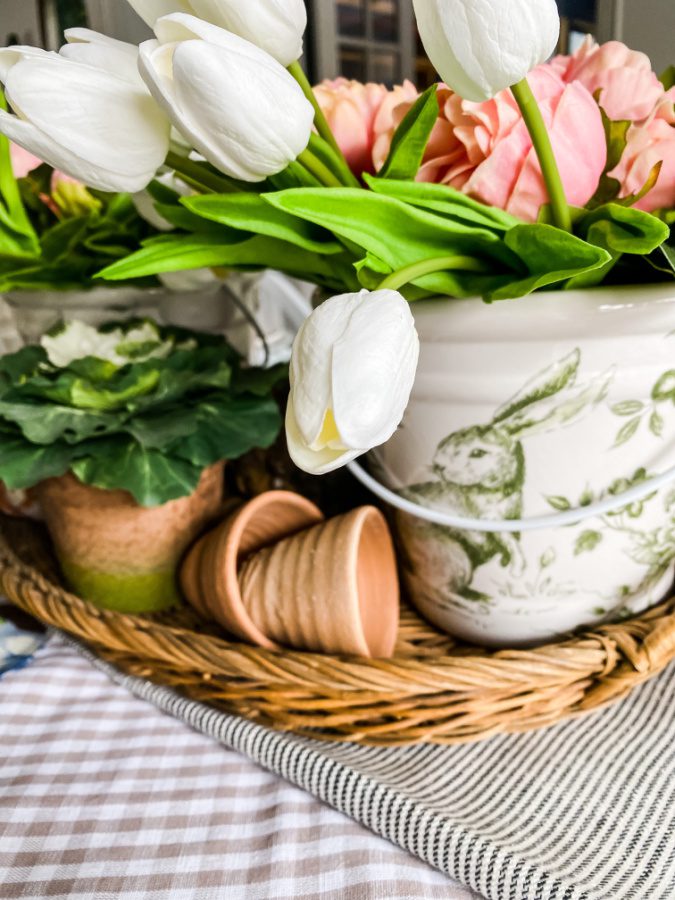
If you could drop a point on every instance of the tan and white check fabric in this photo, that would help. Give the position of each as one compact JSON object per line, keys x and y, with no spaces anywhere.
{"x":103,"y":796}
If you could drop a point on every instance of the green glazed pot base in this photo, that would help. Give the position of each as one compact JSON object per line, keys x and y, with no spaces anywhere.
{"x":145,"y":592}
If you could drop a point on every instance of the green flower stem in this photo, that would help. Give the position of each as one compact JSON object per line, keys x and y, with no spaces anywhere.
{"x":320,"y":171}
{"x":320,"y":120}
{"x":199,"y":176}
{"x":9,"y":188}
{"x":411,"y":273}
{"x":542,"y":145}
{"x":336,"y":163}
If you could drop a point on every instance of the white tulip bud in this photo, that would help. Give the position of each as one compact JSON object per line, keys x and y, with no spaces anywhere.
{"x":352,"y":370}
{"x":237,"y":105}
{"x":481,"y":47}
{"x":96,"y":126}
{"x":276,"y":26}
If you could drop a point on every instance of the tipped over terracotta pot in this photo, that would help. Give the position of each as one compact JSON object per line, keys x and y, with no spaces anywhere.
{"x":276,"y":574}
{"x":118,"y":554}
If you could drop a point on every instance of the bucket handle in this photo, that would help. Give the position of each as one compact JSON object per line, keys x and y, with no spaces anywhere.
{"x":512,"y":526}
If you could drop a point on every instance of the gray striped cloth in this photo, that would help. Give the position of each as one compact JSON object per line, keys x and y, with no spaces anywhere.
{"x":584,"y":810}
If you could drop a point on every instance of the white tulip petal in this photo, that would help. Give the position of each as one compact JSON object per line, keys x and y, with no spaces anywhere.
{"x":277,"y":26}
{"x":480,"y":47}
{"x":312,"y":362}
{"x":114,"y":128}
{"x":373,"y":369}
{"x":315,"y":462}
{"x":93,"y":49}
{"x":151,"y":10}
{"x":31,"y":139}
{"x":10,"y":56}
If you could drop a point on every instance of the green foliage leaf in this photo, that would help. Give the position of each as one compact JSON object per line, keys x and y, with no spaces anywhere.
{"x":446,"y":201}
{"x":250,"y":212}
{"x":23,"y":465}
{"x":411,"y":138}
{"x":551,"y":255}
{"x":667,"y":78}
{"x":150,"y":426}
{"x":619,"y":230}
{"x":151,"y":476}
{"x":227,"y":427}
{"x":616,"y":135}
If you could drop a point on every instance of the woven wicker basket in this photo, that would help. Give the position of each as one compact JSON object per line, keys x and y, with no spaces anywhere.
{"x":434,"y":690}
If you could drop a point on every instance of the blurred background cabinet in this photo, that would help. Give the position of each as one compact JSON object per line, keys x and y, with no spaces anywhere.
{"x":371,"y":40}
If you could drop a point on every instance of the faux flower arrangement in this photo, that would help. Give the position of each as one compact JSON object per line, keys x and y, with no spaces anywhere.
{"x":512,"y":176}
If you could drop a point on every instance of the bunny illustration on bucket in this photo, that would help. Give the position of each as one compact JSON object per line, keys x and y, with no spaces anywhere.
{"x":480,"y":472}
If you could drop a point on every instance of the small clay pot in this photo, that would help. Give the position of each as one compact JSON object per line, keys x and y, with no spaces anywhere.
{"x":276,"y":574}
{"x":118,"y":554}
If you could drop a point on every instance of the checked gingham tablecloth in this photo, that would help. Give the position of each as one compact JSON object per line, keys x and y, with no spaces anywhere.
{"x":103,"y":796}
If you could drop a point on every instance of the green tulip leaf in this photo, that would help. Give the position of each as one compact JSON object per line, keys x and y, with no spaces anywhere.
{"x":446,"y":201}
{"x":667,"y":78}
{"x":551,"y":255}
{"x":620,"y":229}
{"x":616,"y":135}
{"x":250,"y":212}
{"x":411,"y":138}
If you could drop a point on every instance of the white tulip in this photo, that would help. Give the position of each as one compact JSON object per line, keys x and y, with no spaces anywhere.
{"x":96,"y":126}
{"x":481,"y":47}
{"x":352,"y":371}
{"x":277,"y":26}
{"x":103,"y":52}
{"x":237,"y":105}
{"x":151,"y":10}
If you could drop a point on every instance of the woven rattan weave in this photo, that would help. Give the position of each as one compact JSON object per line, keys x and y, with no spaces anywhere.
{"x":433,"y":690}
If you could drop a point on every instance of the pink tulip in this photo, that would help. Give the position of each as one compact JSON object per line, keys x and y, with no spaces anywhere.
{"x":359,"y":113}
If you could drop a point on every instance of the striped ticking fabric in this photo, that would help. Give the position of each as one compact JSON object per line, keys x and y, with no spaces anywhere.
{"x":584,"y":810}
{"x":102,"y":796}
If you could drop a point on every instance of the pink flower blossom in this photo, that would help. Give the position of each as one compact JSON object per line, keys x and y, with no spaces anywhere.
{"x":359,"y":113}
{"x":628,"y":88}
{"x":649,"y":144}
{"x":485,"y":150}
{"x":23,"y":162}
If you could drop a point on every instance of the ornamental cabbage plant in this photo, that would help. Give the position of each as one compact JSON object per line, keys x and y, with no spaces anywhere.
{"x":130,"y":406}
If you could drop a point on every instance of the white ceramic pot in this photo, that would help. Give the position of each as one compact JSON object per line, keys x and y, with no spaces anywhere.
{"x":35,"y":312}
{"x":523,"y":408}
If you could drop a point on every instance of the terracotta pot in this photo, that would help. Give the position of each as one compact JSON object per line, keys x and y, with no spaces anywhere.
{"x":275,"y":574}
{"x":19,"y":503}
{"x":118,"y":554}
